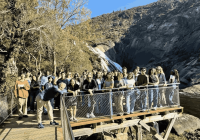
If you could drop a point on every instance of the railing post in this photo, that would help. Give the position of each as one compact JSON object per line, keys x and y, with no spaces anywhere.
{"x":178,"y":96}
{"x":147,"y":98}
{"x":11,"y":103}
{"x":110,"y":101}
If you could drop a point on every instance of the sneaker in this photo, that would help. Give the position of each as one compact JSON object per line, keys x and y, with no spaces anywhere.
{"x":119,"y":114}
{"x":20,"y":118}
{"x":161,"y":106}
{"x":143,"y":110}
{"x":54,"y":123}
{"x":87,"y":115}
{"x":75,"y":120}
{"x":126,"y":113}
{"x":131,"y":112}
{"x":154,"y":108}
{"x":25,"y":116}
{"x":31,"y":111}
{"x":71,"y":119}
{"x":92,"y":115}
{"x":40,"y":125}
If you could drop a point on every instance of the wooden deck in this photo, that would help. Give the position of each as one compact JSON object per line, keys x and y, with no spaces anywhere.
{"x":26,"y":129}
{"x":101,"y":124}
{"x":136,"y":114}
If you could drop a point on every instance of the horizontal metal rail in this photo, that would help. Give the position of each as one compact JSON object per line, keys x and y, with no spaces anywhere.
{"x":160,"y":86}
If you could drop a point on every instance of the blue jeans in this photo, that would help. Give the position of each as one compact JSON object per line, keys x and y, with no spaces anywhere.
{"x":143,"y":96}
{"x":171,"y":94}
{"x":83,"y":98}
{"x":130,"y":101}
{"x":99,"y":103}
{"x":153,"y":96}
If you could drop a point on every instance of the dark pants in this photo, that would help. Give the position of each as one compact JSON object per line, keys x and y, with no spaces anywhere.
{"x":33,"y":94}
{"x":57,"y":101}
{"x":28,"y":102}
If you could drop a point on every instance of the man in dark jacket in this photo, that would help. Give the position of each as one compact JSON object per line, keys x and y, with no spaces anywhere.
{"x":89,"y":85}
{"x":142,"y":80}
{"x":43,"y":99}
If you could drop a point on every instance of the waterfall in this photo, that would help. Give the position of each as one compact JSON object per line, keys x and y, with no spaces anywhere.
{"x":106,"y":62}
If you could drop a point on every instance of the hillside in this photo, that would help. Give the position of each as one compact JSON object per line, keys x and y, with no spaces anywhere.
{"x":164,"y":33}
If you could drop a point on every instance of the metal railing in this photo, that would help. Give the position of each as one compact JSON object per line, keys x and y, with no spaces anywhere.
{"x":120,"y":101}
{"x":66,"y":127}
{"x":116,"y":101}
{"x":8,"y":104}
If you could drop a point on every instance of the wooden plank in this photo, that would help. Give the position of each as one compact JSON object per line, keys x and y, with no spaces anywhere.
{"x":126,"y":123}
{"x":158,"y":137}
{"x":145,"y":125}
{"x":82,"y":132}
{"x":106,"y":127}
{"x":169,"y":127}
{"x":104,"y":119}
{"x":138,"y":132}
{"x":158,"y":118}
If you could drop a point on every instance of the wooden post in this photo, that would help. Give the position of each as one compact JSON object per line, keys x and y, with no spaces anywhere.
{"x":138,"y":132}
{"x":110,"y":100}
{"x":131,"y":133}
{"x":169,"y":127}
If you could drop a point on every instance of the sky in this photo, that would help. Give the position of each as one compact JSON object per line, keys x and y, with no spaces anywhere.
{"x":99,"y":7}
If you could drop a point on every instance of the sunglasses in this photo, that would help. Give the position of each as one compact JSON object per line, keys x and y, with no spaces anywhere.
{"x":89,"y":77}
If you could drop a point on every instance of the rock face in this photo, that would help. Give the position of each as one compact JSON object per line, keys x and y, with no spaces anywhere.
{"x":193,"y":90}
{"x":164,"y":33}
{"x":186,"y":123}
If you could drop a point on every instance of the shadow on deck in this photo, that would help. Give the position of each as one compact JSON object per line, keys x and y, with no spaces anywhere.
{"x":26,"y":129}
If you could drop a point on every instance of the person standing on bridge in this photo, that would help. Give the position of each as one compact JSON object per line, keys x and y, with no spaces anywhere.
{"x":73,"y":90}
{"x":21,"y":93}
{"x":89,"y":86}
{"x":162,"y":83}
{"x":43,"y":99}
{"x":61,"y":80}
{"x":142,"y":80}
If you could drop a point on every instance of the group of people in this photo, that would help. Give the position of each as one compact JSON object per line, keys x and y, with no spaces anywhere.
{"x":82,"y":90}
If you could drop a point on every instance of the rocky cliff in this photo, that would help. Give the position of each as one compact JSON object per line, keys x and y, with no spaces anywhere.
{"x":164,"y":33}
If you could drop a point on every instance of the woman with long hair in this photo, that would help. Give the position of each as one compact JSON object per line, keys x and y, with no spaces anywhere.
{"x":118,"y":95}
{"x":99,"y":97}
{"x":162,"y":83}
{"x":153,"y":89}
{"x":34,"y":91}
{"x":174,"y":78}
{"x":77,"y":78}
{"x":108,"y":85}
{"x":73,"y":90}
{"x":130,"y":94}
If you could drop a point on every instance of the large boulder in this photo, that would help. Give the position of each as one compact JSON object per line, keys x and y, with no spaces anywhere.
{"x":186,"y":123}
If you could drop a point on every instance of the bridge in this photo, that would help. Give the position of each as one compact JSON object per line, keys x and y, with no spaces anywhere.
{"x":106,"y":116}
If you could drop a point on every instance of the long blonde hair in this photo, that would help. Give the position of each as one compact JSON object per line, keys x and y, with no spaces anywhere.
{"x":161,"y":69}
